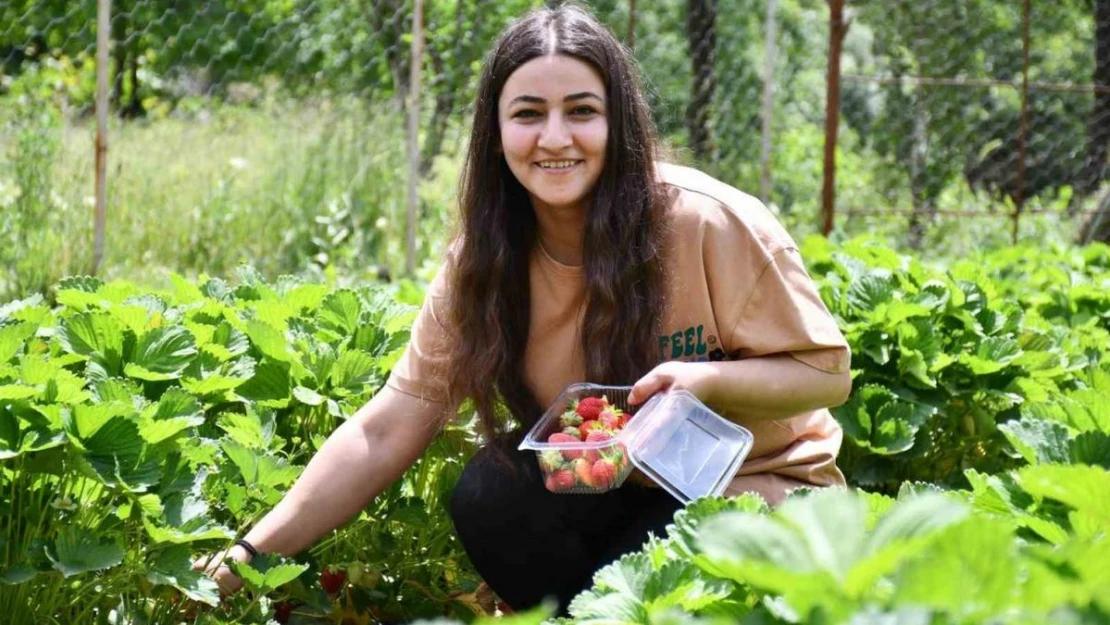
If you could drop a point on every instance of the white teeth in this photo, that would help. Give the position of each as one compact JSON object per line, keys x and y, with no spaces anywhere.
{"x":556,"y":164}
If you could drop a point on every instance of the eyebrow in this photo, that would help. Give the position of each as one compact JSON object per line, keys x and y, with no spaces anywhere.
{"x":531,"y":99}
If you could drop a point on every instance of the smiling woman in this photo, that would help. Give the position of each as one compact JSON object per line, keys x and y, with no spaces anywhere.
{"x":579,"y":258}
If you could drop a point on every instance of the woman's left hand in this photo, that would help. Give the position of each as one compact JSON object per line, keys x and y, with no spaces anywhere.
{"x":698,"y":378}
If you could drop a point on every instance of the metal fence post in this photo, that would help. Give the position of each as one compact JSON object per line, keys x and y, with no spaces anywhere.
{"x":100,"y":212}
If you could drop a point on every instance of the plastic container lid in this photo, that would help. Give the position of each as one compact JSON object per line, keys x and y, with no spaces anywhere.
{"x":685,"y":447}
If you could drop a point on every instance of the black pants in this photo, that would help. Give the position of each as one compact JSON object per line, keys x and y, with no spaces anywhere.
{"x":529,"y":544}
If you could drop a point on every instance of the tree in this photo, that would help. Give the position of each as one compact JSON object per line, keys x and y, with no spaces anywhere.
{"x":701,"y":37}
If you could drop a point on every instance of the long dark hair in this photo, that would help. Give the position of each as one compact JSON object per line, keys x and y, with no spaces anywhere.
{"x":488,"y":278}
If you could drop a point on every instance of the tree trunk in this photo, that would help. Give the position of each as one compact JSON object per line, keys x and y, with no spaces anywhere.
{"x":1098,"y":125}
{"x":446,"y":92}
{"x":134,"y":108}
{"x":701,"y":36}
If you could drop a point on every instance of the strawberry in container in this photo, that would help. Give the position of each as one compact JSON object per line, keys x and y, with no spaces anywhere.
{"x":578,"y":440}
{"x":588,"y":441}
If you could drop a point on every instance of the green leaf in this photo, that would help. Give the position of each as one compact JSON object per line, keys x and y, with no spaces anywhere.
{"x":17,"y":391}
{"x":185,"y":518}
{"x":269,"y":340}
{"x":282,"y":574}
{"x":95,"y":335}
{"x":162,"y":354}
{"x":1037,"y":440}
{"x":870,"y":291}
{"x":354,"y":370}
{"x":12,"y":339}
{"x":1091,"y":448}
{"x":1082,"y":487}
{"x":970,"y":570}
{"x":339,"y":312}
{"x":173,"y":567}
{"x":268,"y":572}
{"x":245,"y":429}
{"x":118,"y":454}
{"x":75,"y":552}
{"x":308,"y":396}
{"x":270,"y":385}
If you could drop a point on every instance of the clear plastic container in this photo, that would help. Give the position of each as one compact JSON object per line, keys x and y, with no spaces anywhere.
{"x":674,"y":438}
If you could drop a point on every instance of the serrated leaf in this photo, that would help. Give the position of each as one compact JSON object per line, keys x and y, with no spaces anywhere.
{"x":162,"y":354}
{"x":1037,"y":440}
{"x":308,"y":396}
{"x":339,"y":312}
{"x":1091,"y":448}
{"x":354,"y":370}
{"x":95,"y":335}
{"x":17,"y":391}
{"x":12,"y":339}
{"x":870,"y":291}
{"x":118,"y":454}
{"x":75,"y":552}
{"x":269,"y":340}
{"x":245,"y":429}
{"x":1082,"y":487}
{"x":270,"y":384}
{"x":173,"y":567}
{"x":282,"y":574}
{"x":971,"y":569}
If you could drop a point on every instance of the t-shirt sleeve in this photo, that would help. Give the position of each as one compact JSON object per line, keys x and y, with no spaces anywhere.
{"x":422,"y":369}
{"x":784,"y":314}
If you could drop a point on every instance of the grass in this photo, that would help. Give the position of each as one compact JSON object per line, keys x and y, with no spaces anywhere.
{"x":284,"y":188}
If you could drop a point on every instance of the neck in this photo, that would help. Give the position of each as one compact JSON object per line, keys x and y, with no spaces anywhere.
{"x":561,"y":236}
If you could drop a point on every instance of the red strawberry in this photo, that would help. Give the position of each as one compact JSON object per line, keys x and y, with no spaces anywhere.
{"x":332,"y":581}
{"x":559,"y":481}
{"x":282,"y":611}
{"x":604,"y":472}
{"x":589,"y":407}
{"x":587,"y":427}
{"x":583,"y":471}
{"x":610,"y":418}
{"x":598,"y":436}
{"x":560,"y":438}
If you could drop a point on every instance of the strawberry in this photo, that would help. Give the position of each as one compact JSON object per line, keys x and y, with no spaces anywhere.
{"x":583,"y":471}
{"x":586,"y":427}
{"x":570,"y":418}
{"x":559,"y":481}
{"x":332,"y":581}
{"x":551,"y":460}
{"x":610,"y":418}
{"x":589,"y":407}
{"x":604,"y":472}
{"x":282,"y":611}
{"x":573,"y":431}
{"x":560,"y":438}
{"x":598,"y":436}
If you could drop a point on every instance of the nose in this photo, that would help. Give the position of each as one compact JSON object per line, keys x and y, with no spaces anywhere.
{"x":555,"y":134}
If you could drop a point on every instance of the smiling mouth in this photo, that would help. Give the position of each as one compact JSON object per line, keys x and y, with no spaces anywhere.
{"x":557,"y":165}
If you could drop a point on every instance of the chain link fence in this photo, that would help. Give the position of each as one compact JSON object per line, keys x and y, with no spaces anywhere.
{"x":277,"y":132}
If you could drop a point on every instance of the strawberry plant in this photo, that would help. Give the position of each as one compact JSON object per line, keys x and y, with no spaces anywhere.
{"x":140,"y":428}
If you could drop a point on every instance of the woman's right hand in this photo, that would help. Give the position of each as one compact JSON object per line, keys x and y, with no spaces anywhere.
{"x":214,"y":566}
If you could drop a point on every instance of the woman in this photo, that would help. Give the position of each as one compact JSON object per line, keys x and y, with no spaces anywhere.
{"x":579,"y":259}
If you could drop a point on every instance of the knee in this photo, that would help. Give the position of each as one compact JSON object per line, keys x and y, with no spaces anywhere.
{"x":492,"y":482}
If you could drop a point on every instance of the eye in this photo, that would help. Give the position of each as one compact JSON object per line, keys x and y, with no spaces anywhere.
{"x":525,"y":114}
{"x":583,"y":111}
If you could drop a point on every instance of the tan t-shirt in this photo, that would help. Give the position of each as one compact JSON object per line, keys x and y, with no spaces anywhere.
{"x":737,"y":289}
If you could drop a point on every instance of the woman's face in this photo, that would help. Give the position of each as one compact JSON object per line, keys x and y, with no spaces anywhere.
{"x":554,"y":130}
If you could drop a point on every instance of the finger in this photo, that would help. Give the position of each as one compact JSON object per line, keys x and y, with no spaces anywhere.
{"x":645,"y":387}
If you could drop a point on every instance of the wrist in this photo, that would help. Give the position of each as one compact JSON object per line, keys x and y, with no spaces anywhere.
{"x":239,"y":554}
